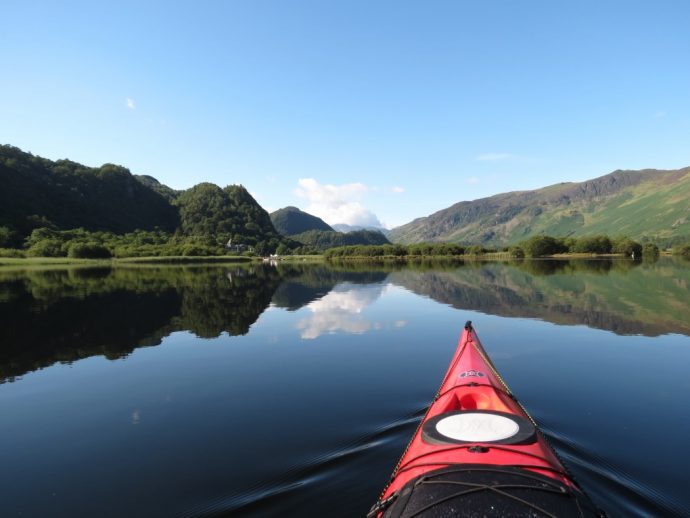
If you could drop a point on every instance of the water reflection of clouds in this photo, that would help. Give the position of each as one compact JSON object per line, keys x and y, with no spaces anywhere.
{"x":341,"y":310}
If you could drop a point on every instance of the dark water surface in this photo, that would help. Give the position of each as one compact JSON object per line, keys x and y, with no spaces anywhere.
{"x":293,"y":390}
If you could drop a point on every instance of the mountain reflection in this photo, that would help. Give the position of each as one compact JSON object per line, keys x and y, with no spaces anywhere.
{"x":63,"y":315}
{"x":625,"y":297}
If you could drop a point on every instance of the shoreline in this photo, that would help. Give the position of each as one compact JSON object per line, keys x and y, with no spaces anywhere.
{"x":221,"y":259}
{"x":151,"y":260}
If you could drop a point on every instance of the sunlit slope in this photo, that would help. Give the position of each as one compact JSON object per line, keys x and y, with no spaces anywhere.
{"x":650,"y":203}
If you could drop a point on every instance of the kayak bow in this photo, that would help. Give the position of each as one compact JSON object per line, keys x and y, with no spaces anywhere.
{"x":477,"y":452}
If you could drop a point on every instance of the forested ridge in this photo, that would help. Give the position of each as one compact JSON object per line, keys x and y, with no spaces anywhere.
{"x":37,"y":192}
{"x":63,"y":208}
{"x":54,"y":205}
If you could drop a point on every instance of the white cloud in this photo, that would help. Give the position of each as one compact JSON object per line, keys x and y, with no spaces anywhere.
{"x":130,"y":103}
{"x":473,"y":180}
{"x":337,"y":203}
{"x":398,"y":189}
{"x":495,"y":157}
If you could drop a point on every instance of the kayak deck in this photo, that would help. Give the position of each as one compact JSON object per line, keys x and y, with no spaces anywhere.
{"x":477,"y":452}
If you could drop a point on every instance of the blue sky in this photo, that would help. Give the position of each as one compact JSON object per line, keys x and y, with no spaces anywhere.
{"x":359,"y":111}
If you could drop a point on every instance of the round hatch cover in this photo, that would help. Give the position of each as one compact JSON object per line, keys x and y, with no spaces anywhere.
{"x":467,"y":426}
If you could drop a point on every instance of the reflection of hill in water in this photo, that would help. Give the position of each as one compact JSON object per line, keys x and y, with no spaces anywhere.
{"x":619,"y":296}
{"x":64,"y":315}
{"x":54,"y":315}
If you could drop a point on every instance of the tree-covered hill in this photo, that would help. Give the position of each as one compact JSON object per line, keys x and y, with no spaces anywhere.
{"x":229,"y":213}
{"x":37,"y":192}
{"x":162,"y":189}
{"x":644,"y":205}
{"x":290,"y":221}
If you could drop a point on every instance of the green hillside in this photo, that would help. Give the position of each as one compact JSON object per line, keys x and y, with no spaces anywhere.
{"x":37,"y":192}
{"x":153,"y":184}
{"x":60,"y":196}
{"x":229,"y":213}
{"x":290,"y":221}
{"x":648,"y":204}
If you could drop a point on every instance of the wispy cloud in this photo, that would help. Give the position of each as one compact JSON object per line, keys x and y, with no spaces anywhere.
{"x":130,"y":103}
{"x":659,"y":114}
{"x":473,"y":180}
{"x":495,"y":157}
{"x":397,"y":189}
{"x":337,"y":203}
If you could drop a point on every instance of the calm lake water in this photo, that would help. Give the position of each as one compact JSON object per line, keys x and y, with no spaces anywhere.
{"x":293,"y":390}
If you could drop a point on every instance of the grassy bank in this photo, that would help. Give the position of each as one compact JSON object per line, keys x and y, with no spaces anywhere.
{"x":174,"y":259}
{"x":49,"y":261}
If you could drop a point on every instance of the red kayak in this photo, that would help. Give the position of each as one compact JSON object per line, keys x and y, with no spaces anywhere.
{"x":478,"y":453}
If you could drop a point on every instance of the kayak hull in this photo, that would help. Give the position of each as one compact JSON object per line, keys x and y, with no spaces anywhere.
{"x":477,"y":452}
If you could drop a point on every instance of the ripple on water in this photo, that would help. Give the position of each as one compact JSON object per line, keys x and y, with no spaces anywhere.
{"x":316,"y":475}
{"x":613,"y":490}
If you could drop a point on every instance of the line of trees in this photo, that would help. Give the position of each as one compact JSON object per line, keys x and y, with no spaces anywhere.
{"x":81,"y":243}
{"x":417,"y":250}
{"x":537,"y":246}
{"x":540,"y":246}
{"x":325,"y":239}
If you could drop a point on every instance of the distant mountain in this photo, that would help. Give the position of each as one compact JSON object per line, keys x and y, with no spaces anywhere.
{"x":312,"y":231}
{"x":650,"y":203}
{"x":324,"y":239}
{"x":290,"y":221}
{"x":343,"y":227}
